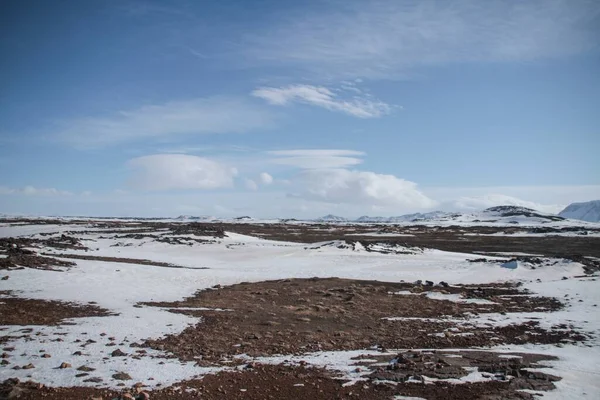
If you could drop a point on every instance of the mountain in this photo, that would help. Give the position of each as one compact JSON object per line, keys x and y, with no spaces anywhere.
{"x":588,"y":211}
{"x":434,"y":215}
{"x":377,"y":220}
{"x":516,"y":211}
{"x":195,"y":218}
{"x":332,"y":218}
{"x":495,"y":215}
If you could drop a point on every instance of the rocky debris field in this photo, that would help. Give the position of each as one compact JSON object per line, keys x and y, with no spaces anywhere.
{"x":235,"y":314}
{"x":403,"y":374}
{"x":18,"y":311}
{"x":18,"y":254}
{"x":301,"y":315}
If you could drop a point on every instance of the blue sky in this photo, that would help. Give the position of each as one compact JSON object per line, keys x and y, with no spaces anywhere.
{"x":283,"y":109}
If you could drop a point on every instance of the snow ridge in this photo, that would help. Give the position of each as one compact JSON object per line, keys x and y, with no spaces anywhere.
{"x":587,"y":211}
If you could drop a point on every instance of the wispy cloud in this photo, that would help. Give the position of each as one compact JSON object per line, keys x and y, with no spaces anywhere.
{"x":33,"y":191}
{"x":179,"y":171}
{"x":360,"y":106}
{"x":198,"y":116}
{"x":385,"y":38}
{"x":316,"y":158}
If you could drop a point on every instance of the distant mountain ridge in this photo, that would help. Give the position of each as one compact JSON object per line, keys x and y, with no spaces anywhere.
{"x":587,"y":211}
{"x":513,"y":211}
{"x":433,"y":215}
{"x":332,"y":218}
{"x":506,"y":214}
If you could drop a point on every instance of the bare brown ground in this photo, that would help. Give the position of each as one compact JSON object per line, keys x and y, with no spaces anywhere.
{"x":294,"y":316}
{"x":18,"y":255}
{"x":401,"y":376}
{"x":120,"y":260}
{"x":299,"y":316}
{"x":18,"y":311}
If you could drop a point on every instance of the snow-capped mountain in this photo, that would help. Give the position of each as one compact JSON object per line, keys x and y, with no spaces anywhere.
{"x":434,"y":215}
{"x":587,"y":211}
{"x":195,"y":218}
{"x":332,"y":218}
{"x":500,"y":215}
{"x":523,"y":212}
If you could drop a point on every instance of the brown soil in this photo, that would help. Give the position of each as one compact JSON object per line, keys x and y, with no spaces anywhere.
{"x":18,"y":256}
{"x":17,"y":311}
{"x":121,"y":260}
{"x":400,"y":377}
{"x":297,"y":316}
{"x":449,"y":238}
{"x":294,"y":316}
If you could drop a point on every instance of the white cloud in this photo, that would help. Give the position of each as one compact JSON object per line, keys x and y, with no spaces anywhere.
{"x":33,"y":191}
{"x":316,"y":152}
{"x":342,"y":186}
{"x":385,"y":38}
{"x":265,"y":178}
{"x":491,"y":200}
{"x":318,"y":162}
{"x":357,"y":106}
{"x":180,"y":171}
{"x":317,"y":158}
{"x":250,"y":184}
{"x":197,"y":116}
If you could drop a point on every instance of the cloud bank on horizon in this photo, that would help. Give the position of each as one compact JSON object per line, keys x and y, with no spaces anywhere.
{"x":284,"y":110}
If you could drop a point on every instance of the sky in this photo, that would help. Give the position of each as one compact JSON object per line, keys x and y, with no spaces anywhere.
{"x":273,"y":108}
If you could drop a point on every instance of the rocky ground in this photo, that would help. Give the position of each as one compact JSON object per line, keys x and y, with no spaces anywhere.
{"x":303,"y":315}
{"x":402,"y":377}
{"x":259,"y":336}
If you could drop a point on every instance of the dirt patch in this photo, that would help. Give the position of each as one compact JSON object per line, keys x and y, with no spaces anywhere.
{"x":65,"y":242}
{"x":17,"y":256}
{"x":402,"y":376}
{"x":198,"y":229}
{"x":295,"y":316}
{"x":17,"y":311}
{"x":122,"y":260}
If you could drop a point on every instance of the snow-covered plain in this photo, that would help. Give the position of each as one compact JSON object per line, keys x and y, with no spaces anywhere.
{"x":119,"y":287}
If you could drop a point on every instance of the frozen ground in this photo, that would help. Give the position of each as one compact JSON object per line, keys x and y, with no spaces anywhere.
{"x":235,"y":258}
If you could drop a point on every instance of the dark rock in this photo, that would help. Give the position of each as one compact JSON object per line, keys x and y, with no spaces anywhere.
{"x":93,"y":380}
{"x":122,"y":376}
{"x":118,"y":353}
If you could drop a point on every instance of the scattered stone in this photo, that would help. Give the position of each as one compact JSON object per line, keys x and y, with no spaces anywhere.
{"x":46,"y":355}
{"x":65,"y":365}
{"x":122,"y":376}
{"x":29,"y":366}
{"x":5,"y":278}
{"x":118,"y":353}
{"x":85,"y":368}
{"x":93,"y":380}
